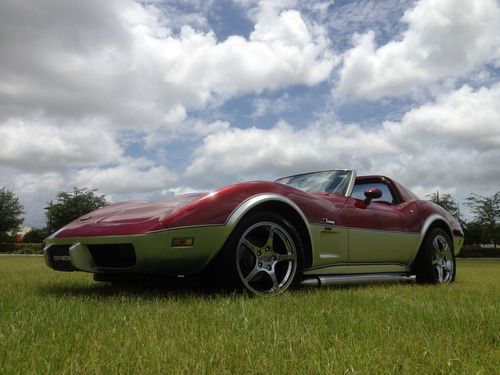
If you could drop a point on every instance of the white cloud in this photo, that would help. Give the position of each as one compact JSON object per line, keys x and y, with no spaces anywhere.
{"x":447,"y":38}
{"x":464,"y":118}
{"x":129,"y":176}
{"x":37,"y":145}
{"x":138,"y":178}
{"x":251,"y":153}
{"x":263,"y":106}
{"x":121,"y":65}
{"x":121,"y":61}
{"x":452,"y":144}
{"x":454,"y":141}
{"x":194,"y":130}
{"x":273,"y":57}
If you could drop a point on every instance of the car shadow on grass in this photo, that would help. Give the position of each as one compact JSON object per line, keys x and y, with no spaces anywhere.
{"x":175,"y":288}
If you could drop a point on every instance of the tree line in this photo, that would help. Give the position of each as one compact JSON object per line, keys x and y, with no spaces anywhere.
{"x":66,"y":207}
{"x":482,"y":228}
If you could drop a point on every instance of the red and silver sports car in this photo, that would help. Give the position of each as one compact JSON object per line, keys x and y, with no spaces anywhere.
{"x":317,"y":228}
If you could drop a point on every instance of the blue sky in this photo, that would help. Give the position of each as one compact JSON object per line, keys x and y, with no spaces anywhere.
{"x":145,"y":99}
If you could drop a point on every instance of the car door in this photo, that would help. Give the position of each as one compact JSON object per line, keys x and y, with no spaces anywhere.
{"x":380,"y":232}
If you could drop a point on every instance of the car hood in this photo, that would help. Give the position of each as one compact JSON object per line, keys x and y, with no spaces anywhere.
{"x":126,"y":218}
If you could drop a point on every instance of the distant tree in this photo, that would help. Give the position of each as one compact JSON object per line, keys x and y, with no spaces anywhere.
{"x":474,"y":233}
{"x":70,"y":206}
{"x":11,"y":211}
{"x":446,"y":201}
{"x":36,"y":235}
{"x":486,"y":211}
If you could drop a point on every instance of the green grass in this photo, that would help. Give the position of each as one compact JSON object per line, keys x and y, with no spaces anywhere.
{"x":52,"y":322}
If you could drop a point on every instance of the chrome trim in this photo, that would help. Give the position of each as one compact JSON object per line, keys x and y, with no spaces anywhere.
{"x":328,"y":256}
{"x":333,"y":242}
{"x":244,"y":207}
{"x":358,"y":264}
{"x":368,"y":229}
{"x":255,"y":200}
{"x":425,"y":227}
{"x":340,"y":267}
{"x":62,"y":240}
{"x":329,"y":224}
{"x":356,"y":279}
{"x":312,"y":172}
{"x":423,"y":232}
{"x":183,"y":227}
{"x":350,"y":187}
{"x":54,"y":235}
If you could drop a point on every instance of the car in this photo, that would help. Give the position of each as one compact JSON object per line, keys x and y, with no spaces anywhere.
{"x":318,"y":228}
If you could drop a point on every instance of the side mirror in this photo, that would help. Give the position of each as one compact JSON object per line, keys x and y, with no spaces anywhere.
{"x":372,"y":194}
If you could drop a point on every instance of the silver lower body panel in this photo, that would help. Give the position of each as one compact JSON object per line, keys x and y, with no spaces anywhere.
{"x":356,"y":279}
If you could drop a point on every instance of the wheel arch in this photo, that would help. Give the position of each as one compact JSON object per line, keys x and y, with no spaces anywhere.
{"x":432,"y":222}
{"x":283,"y":206}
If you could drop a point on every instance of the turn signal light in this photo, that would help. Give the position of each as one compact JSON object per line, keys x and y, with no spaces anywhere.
{"x":183,"y":242}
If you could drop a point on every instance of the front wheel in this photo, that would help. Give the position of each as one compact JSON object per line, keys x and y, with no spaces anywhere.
{"x":436,"y":261}
{"x":264,"y":254}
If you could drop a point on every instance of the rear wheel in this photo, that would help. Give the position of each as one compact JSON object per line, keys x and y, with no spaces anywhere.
{"x":436,"y":261}
{"x":264,"y":254}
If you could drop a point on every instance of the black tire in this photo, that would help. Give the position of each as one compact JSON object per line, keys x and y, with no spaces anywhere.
{"x":263,"y":255}
{"x":435,"y":262}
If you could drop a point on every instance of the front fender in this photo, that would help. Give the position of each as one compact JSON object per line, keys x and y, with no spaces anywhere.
{"x":252,"y":202}
{"x":443,"y":222}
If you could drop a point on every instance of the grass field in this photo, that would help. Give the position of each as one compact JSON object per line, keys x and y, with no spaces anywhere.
{"x":52,"y":322}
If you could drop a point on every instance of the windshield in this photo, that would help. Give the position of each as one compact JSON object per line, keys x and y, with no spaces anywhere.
{"x":336,"y":182}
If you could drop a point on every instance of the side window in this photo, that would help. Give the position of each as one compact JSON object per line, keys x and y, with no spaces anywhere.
{"x":358,"y":192}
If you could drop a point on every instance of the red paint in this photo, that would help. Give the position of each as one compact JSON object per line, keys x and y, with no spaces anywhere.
{"x":427,"y":208}
{"x":139,"y":217}
{"x":125,"y":218}
{"x":402,"y":217}
{"x":217,"y":207}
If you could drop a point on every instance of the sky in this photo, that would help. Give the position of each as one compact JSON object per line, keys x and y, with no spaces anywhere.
{"x":146,"y":99}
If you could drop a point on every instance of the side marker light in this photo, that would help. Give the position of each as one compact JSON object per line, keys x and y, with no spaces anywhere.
{"x":183,"y":242}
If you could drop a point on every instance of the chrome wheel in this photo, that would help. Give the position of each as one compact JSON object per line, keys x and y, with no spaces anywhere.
{"x":266,"y":258}
{"x":442,"y":260}
{"x":435,"y":261}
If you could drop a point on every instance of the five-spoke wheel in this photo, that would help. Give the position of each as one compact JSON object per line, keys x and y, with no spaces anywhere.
{"x":435,"y":263}
{"x":265,"y":252}
{"x":442,"y":260}
{"x":266,"y":258}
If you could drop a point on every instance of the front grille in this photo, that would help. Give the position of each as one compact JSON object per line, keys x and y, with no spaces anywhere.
{"x":59,"y":259}
{"x":113,"y":255}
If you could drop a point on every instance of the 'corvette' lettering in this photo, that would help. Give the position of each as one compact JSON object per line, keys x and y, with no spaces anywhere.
{"x":65,"y":258}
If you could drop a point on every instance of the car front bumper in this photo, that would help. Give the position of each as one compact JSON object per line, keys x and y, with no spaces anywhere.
{"x":153,"y":253}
